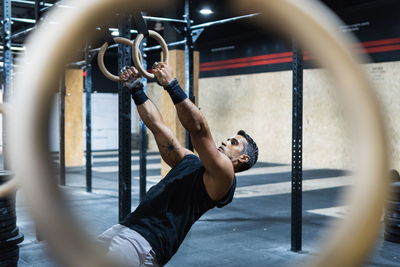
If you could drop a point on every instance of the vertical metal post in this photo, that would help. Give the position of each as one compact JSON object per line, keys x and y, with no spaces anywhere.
{"x":62,"y":128}
{"x":38,"y":6}
{"x":7,"y":72}
{"x":62,"y":169}
{"x":297,"y":128}
{"x":88,"y":91}
{"x":143,"y":138}
{"x":189,"y":68}
{"x":124,"y":100}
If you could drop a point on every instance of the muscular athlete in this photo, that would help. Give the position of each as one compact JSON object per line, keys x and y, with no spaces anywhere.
{"x":152,"y":234}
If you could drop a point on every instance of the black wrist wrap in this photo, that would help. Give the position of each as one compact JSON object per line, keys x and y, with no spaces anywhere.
{"x":138,"y":95}
{"x":175,"y":91}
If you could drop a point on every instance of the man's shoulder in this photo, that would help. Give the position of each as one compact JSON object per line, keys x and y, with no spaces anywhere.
{"x":218,"y":184}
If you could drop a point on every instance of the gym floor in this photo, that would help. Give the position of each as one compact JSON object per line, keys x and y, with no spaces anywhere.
{"x":254,"y":230}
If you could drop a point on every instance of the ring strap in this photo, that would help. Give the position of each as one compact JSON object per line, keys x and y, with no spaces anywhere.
{"x":136,"y":52}
{"x":141,"y":24}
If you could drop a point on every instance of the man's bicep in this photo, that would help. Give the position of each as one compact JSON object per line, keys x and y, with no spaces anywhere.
{"x":213,"y":160}
{"x":171,"y":150}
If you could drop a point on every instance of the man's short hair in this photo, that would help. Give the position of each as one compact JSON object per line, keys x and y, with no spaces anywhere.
{"x":250,"y":149}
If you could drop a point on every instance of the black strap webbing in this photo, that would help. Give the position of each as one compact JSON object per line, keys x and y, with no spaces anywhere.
{"x":106,"y":36}
{"x":141,"y":24}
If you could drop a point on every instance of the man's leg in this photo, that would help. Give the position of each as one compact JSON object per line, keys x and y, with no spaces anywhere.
{"x":150,"y":260}
{"x":126,"y":246}
{"x":105,"y":238}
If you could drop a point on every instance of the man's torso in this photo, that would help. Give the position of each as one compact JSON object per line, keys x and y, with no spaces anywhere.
{"x":172,"y":206}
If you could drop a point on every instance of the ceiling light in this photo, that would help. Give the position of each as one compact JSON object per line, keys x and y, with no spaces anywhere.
{"x":113,"y":30}
{"x":158,"y":26}
{"x":206,"y":11}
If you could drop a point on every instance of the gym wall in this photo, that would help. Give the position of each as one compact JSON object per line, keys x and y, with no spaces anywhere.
{"x":261,"y":105}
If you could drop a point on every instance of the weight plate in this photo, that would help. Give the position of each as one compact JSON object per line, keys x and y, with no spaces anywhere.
{"x":7,"y":223}
{"x":395,"y":191}
{"x":6,"y":173}
{"x":392,"y":230}
{"x":7,"y":229}
{"x":7,"y":235}
{"x":4,"y":202}
{"x":10,"y":205}
{"x":392,"y":238}
{"x":10,"y":255}
{"x":6,"y":211}
{"x":7,"y":250}
{"x":392,"y":222}
{"x":393,"y":206}
{"x":10,"y":198}
{"x":7,"y":218}
{"x":393,"y":215}
{"x":12,"y":241}
{"x":13,"y":262}
{"x":395,"y":176}
{"x":4,"y":176}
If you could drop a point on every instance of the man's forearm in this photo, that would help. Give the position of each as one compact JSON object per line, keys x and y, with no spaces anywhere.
{"x":148,"y":112}
{"x":150,"y":115}
{"x":190,"y":117}
{"x":188,"y":114}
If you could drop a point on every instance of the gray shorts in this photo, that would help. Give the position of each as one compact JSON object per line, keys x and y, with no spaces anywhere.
{"x":127,"y":247}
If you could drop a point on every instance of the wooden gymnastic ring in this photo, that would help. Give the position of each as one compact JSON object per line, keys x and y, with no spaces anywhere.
{"x":100,"y":57}
{"x":11,"y":185}
{"x":136,"y":52}
{"x":308,"y":21}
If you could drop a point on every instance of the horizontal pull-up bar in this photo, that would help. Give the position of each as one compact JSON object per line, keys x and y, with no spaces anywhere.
{"x":158,"y":47}
{"x":31,"y":21}
{"x":29,"y":2}
{"x":57,"y":4}
{"x":164,"y":19}
{"x":147,"y":49}
{"x":223,"y":21}
{"x":22,"y":32}
{"x":14,"y":47}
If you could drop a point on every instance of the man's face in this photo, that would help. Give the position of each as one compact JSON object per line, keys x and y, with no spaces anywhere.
{"x":233,"y":147}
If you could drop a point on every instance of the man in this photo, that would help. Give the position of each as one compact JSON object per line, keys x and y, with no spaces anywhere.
{"x":152,"y":234}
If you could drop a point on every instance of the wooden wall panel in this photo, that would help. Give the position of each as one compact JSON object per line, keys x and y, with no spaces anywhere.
{"x":73,"y":118}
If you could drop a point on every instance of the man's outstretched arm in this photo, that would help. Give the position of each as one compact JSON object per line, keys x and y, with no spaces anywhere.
{"x":219,"y":169}
{"x":170,"y":149}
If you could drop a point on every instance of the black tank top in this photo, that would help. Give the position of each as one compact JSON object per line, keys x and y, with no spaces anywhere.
{"x":172,"y":206}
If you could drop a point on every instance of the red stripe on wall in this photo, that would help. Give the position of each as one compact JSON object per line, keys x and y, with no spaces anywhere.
{"x":380,"y":49}
{"x":286,"y":57}
{"x":248,"y":64}
{"x":381,"y":42}
{"x":246,"y":59}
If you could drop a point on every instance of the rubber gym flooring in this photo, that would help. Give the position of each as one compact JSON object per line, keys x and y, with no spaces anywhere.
{"x":254,"y":230}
